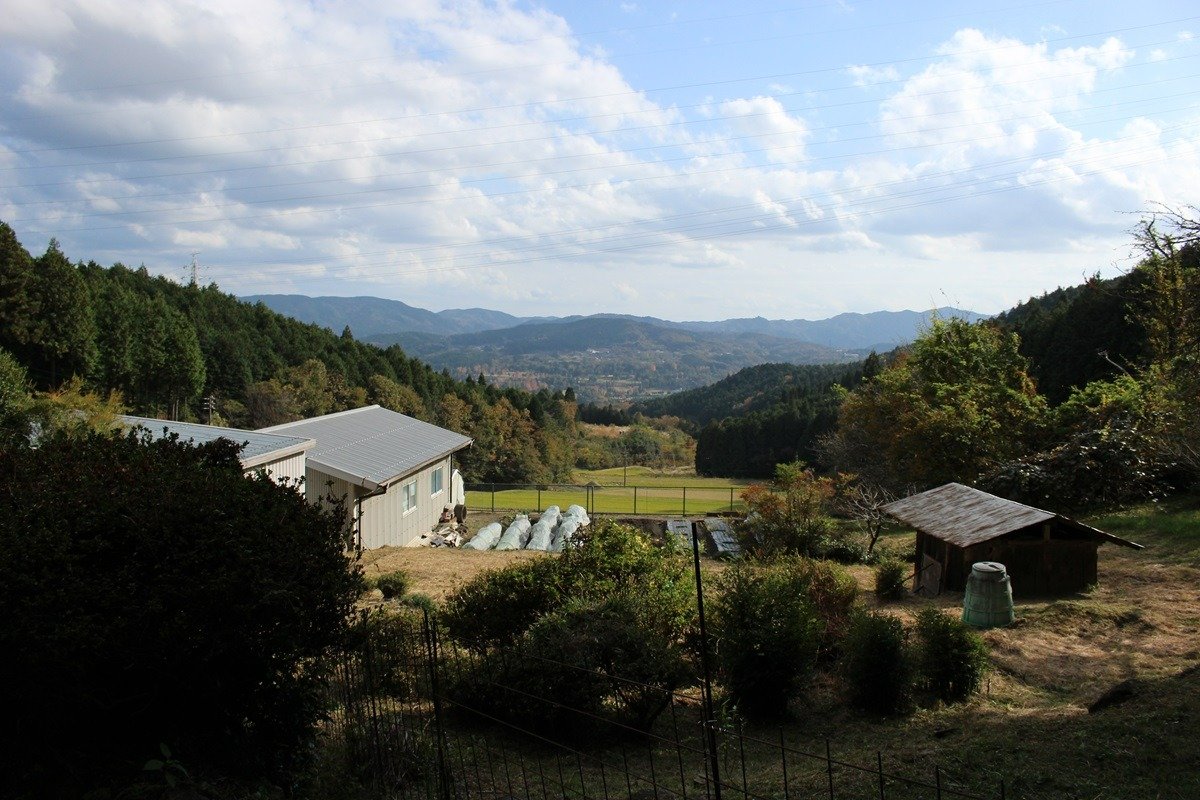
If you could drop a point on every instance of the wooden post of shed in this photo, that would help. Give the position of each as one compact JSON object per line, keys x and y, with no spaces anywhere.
{"x":1044,"y":579}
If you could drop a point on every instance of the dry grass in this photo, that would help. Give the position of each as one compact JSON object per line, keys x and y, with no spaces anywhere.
{"x":603,"y":431}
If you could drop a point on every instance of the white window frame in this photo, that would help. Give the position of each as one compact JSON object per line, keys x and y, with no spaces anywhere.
{"x":441,"y":479}
{"x":410,"y":496}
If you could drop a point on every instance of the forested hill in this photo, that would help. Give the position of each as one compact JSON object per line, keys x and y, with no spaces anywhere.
{"x":1080,"y":334}
{"x":1070,"y":337}
{"x":372,"y":316}
{"x":748,"y":390}
{"x":165,"y":347}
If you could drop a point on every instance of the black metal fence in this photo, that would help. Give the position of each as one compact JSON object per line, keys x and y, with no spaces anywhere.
{"x":599,"y":499}
{"x":405,"y":727}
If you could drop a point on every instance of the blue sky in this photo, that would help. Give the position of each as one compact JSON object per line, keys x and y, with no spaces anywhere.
{"x":690,"y":160}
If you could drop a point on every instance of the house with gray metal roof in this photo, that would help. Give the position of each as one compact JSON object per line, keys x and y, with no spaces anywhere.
{"x":392,"y":472}
{"x":1043,"y":552}
{"x":280,"y":457}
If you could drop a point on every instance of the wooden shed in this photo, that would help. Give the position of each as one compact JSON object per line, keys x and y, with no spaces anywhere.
{"x":1044,"y":552}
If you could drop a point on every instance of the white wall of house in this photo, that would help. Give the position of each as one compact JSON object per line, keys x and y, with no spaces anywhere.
{"x":290,"y":467}
{"x":382,"y":519}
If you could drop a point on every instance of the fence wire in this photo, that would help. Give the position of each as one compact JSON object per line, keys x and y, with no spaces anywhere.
{"x":413,"y":717}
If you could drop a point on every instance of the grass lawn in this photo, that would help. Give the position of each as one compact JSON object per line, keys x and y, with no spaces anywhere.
{"x":646,"y":492}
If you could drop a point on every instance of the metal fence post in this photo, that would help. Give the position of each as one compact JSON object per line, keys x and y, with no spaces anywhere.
{"x":431,"y":655}
{"x":709,"y":716}
{"x":493,"y":498}
{"x":829,"y":766}
{"x":635,"y":499}
{"x":685,"y":501}
{"x":730,"y":499}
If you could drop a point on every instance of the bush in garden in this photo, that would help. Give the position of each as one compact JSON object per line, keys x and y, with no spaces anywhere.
{"x":831,"y":590}
{"x":496,"y":607}
{"x":163,"y":598}
{"x":392,"y":584}
{"x":575,"y":668}
{"x":952,"y":658}
{"x":768,"y":633}
{"x":787,"y":517}
{"x":891,"y":579}
{"x":877,"y":664}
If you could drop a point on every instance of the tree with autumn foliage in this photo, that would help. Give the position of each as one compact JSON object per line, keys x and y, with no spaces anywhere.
{"x":958,"y":403}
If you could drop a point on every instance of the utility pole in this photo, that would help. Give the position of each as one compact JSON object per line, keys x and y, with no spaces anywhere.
{"x":210,"y":407}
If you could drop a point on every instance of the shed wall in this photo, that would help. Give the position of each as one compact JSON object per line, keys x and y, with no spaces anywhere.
{"x":1036,"y":566}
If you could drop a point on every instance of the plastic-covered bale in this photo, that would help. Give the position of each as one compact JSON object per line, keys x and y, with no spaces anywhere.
{"x":579,"y":513}
{"x":485,"y":538}
{"x":563,"y":533}
{"x":515,"y":535}
{"x":540,"y":535}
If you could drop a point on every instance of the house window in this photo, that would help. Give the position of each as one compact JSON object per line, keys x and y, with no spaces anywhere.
{"x":435,"y":482}
{"x":410,"y":496}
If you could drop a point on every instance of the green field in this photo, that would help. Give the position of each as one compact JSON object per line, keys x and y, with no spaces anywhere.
{"x":646,"y":492}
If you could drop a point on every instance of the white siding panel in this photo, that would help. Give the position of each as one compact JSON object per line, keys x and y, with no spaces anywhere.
{"x":383,"y":520}
{"x":291,"y":468}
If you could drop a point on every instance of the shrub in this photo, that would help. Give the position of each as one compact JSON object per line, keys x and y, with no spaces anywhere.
{"x":421,"y":602}
{"x":877,"y":665}
{"x":496,"y":607}
{"x":768,"y":633}
{"x":891,"y":579}
{"x":575,"y":668}
{"x":840,"y":548}
{"x":832,"y":591}
{"x":788,"y":516}
{"x":153,"y":594}
{"x":392,"y":584}
{"x":953,"y":658}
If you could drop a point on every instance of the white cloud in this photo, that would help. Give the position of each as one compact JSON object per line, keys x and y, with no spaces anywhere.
{"x":765,"y":117}
{"x":864,"y":75}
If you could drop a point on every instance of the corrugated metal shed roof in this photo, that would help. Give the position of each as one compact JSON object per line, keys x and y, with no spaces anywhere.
{"x":373,"y":446}
{"x":257,"y":447}
{"x":964,"y":516}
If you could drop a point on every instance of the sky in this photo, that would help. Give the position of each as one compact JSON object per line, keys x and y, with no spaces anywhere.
{"x":686,"y":160}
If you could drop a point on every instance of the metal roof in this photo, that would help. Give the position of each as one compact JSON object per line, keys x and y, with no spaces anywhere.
{"x":964,"y":516}
{"x":257,"y":447}
{"x":373,"y":446}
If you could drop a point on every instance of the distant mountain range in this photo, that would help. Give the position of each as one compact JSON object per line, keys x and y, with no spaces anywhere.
{"x":605,"y":357}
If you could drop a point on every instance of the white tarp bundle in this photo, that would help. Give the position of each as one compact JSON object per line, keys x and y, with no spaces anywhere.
{"x":563,"y":533}
{"x":515,"y":535}
{"x":575,"y":518}
{"x":542,"y":532}
{"x":579,"y":513}
{"x":486,"y":538}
